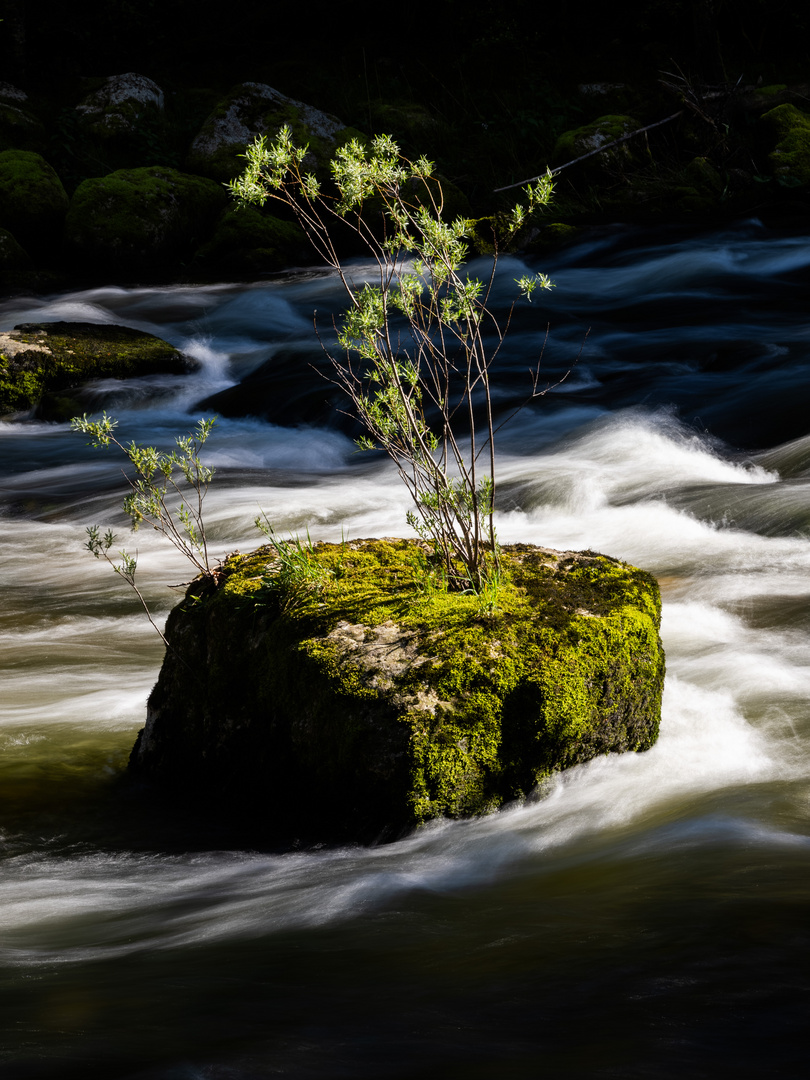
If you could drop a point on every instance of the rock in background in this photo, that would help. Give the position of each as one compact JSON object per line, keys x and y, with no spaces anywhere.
{"x":44,"y":367}
{"x":252,"y":109}
{"x":134,"y":219}
{"x":33,"y":201}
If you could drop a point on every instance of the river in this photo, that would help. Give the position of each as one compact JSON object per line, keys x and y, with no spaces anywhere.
{"x":647,"y":917}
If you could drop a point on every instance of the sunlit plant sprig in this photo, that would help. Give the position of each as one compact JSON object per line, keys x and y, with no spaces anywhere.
{"x":294,"y":576}
{"x":167,"y":492}
{"x":420,"y":337}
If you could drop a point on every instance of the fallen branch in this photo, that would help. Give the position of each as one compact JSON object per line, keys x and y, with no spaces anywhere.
{"x":599,"y":150}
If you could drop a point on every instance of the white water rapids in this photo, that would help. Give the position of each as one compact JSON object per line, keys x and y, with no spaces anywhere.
{"x":713,"y":817}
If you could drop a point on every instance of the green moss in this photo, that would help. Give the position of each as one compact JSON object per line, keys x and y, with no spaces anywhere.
{"x":63,"y":356}
{"x":246,"y":241}
{"x":790,"y":159}
{"x":33,"y":201}
{"x":593,"y":136}
{"x":18,"y":392}
{"x":390,"y":704}
{"x":13,"y":256}
{"x":133,"y":217}
{"x":19,"y":129}
{"x":555,"y":235}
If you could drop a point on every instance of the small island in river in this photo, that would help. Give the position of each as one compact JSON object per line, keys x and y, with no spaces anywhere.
{"x":371,"y":705}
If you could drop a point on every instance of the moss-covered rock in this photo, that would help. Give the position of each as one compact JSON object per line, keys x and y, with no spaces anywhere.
{"x":372,"y":706}
{"x":115,"y":107}
{"x":13,"y":257}
{"x":19,"y":128}
{"x":44,"y":365}
{"x":607,"y":98}
{"x":252,"y":109}
{"x":120,"y":123}
{"x":695,"y":189}
{"x":134,"y":218}
{"x":789,"y":129}
{"x":33,"y":201}
{"x":597,"y":134}
{"x":247,"y":242}
{"x":553,"y":236}
{"x":701,"y":174}
{"x":412,"y":125}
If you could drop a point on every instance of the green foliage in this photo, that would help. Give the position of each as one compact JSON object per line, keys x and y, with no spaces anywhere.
{"x":294,"y":576}
{"x":167,"y":492}
{"x":420,"y":340}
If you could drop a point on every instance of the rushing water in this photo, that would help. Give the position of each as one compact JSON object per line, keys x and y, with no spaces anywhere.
{"x":647,"y":918}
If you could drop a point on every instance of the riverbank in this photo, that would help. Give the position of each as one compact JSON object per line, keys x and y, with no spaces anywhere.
{"x":112,"y":176}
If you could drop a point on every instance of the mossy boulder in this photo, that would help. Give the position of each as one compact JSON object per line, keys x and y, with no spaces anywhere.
{"x":412,"y":125}
{"x":253,"y":109}
{"x":13,"y":257}
{"x":756,"y":100}
{"x":608,"y":98}
{"x":43,"y":366}
{"x":594,"y":136}
{"x":19,"y":128}
{"x":33,"y":201}
{"x":371,"y":706}
{"x":121,"y":122}
{"x":554,"y":235}
{"x":789,"y":129}
{"x":702,"y":175}
{"x":696,"y":189}
{"x":115,"y":107}
{"x":247,"y":242}
{"x":136,"y":219}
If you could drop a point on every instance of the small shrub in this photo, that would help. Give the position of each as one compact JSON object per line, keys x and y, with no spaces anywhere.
{"x":420,"y":338}
{"x":167,"y":493}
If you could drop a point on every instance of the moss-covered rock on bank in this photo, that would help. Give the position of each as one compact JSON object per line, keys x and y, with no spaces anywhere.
{"x":132,"y":219}
{"x":790,"y":158}
{"x":44,"y":365}
{"x":375,"y":706}
{"x":33,"y":202}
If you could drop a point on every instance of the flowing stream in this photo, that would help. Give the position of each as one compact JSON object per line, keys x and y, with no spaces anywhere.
{"x":647,"y":917}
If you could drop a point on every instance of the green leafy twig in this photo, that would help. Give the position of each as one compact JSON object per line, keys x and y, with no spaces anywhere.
{"x":167,"y":493}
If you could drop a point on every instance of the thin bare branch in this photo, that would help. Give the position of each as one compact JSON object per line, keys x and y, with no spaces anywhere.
{"x":593,"y":153}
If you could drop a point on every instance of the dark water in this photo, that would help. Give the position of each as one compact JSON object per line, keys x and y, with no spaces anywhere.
{"x":647,"y":918}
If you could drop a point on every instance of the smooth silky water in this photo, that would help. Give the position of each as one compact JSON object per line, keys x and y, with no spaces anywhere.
{"x":646,"y":916}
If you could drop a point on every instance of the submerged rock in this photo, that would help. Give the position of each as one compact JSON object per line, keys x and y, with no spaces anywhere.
{"x":370,"y":705}
{"x":43,"y":366}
